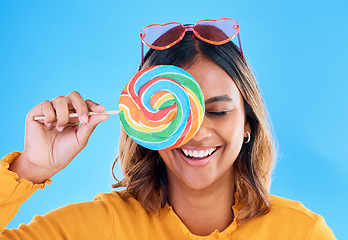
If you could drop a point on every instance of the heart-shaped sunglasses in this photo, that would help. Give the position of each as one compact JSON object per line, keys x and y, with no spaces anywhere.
{"x":163,"y":36}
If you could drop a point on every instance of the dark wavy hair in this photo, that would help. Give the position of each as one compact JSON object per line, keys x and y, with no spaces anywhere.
{"x":144,"y":171}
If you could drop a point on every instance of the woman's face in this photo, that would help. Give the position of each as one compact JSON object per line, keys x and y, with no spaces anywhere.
{"x":208,"y":157}
{"x":206,"y":160}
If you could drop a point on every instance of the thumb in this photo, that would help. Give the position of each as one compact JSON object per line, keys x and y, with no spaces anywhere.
{"x":85,"y":130}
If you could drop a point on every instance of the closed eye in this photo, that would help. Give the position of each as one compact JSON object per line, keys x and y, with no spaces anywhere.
{"x":222,"y":113}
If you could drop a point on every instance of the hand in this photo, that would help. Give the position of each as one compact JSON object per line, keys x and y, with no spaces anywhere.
{"x":52,"y":143}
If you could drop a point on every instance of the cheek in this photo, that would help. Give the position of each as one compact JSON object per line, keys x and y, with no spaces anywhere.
{"x":166,"y":155}
{"x":232,"y":130}
{"x":163,"y":154}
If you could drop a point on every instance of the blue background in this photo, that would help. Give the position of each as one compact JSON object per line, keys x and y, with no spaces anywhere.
{"x":298,"y":51}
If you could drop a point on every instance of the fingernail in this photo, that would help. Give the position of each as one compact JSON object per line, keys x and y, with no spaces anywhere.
{"x":60,"y":129}
{"x":48,"y":124}
{"x":84,"y":118}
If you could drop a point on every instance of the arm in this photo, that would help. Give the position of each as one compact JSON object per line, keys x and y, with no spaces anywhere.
{"x":12,"y":192}
{"x":89,"y":220}
{"x":50,"y":145}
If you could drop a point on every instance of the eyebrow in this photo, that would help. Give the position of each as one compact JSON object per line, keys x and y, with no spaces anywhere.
{"x":224,"y":98}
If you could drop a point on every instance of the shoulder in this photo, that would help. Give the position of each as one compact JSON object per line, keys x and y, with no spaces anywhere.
{"x":122,"y":205}
{"x":118,"y":200}
{"x":111,"y":206}
{"x":292,"y":208}
{"x":292,"y":217}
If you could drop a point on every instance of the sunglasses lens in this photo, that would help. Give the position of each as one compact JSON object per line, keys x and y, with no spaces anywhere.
{"x":219,"y":31}
{"x":162,"y":35}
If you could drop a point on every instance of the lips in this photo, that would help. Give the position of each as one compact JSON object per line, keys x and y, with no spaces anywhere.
{"x":198,"y":156}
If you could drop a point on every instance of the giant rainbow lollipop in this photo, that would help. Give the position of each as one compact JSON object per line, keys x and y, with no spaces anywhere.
{"x":161,"y":107}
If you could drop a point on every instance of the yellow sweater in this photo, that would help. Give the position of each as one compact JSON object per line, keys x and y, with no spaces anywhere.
{"x":111,"y":217}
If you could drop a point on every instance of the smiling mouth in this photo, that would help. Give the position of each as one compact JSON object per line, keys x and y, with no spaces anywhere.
{"x":198,"y":157}
{"x":199,"y":153}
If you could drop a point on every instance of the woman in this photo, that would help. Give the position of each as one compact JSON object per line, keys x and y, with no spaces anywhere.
{"x":213,"y":187}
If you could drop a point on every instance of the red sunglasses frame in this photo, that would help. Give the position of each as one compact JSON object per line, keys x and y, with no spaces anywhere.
{"x":191,"y":28}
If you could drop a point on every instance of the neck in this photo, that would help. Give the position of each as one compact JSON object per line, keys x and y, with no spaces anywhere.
{"x":204,"y":210}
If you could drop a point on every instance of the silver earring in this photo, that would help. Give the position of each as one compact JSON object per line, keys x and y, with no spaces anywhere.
{"x":249,"y":137}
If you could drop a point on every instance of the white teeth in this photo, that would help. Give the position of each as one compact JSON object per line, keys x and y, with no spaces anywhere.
{"x":200,"y":153}
{"x":185,"y":151}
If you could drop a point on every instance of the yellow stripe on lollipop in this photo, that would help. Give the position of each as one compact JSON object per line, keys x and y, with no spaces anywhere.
{"x":165,"y":97}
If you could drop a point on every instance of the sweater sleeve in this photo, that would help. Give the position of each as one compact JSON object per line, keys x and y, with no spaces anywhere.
{"x":321,"y":230}
{"x":13,"y":192}
{"x":86,"y":220}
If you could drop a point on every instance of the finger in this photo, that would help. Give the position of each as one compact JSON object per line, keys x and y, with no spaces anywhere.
{"x":79,"y":105}
{"x":43,"y":109}
{"x":85,"y":130}
{"x":49,"y":113}
{"x":60,"y":105}
{"x":95,"y":107}
{"x":72,"y":120}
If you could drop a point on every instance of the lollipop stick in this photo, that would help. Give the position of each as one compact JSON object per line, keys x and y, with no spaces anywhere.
{"x":75,"y":114}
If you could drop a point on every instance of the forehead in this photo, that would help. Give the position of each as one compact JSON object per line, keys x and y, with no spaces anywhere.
{"x":213,"y":80}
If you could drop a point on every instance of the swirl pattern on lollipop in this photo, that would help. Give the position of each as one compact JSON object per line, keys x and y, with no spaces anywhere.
{"x":161,"y":107}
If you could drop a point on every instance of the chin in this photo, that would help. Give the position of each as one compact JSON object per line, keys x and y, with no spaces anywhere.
{"x":198,"y":183}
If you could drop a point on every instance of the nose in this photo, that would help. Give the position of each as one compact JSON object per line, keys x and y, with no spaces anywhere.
{"x":203,"y":132}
